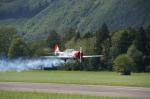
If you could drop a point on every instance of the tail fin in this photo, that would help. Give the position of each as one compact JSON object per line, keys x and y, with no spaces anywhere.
{"x":56,"y":49}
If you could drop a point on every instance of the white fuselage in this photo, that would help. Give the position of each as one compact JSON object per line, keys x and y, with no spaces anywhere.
{"x":67,"y":53}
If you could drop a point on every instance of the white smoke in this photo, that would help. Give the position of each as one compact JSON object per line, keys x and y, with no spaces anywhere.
{"x":28,"y":64}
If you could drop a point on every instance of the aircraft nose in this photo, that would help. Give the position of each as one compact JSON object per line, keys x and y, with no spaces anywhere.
{"x":77,"y":54}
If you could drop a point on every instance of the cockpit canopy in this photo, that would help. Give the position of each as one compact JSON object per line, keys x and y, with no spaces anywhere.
{"x":69,"y":50}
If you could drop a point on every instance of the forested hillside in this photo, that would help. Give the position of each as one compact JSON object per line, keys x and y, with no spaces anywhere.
{"x":35,"y":19}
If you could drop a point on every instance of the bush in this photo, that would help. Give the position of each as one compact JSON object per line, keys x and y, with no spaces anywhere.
{"x":137,"y":57}
{"x":40,"y":52}
{"x":70,"y":66}
{"x":123,"y":64}
{"x":39,"y":48}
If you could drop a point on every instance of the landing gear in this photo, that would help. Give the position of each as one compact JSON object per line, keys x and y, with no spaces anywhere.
{"x":65,"y":60}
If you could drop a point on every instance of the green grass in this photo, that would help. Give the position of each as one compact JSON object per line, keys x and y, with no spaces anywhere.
{"x":78,"y":77}
{"x":37,"y":95}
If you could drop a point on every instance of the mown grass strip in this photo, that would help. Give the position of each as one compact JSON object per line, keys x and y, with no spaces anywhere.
{"x":78,"y":77}
{"x":39,"y":95}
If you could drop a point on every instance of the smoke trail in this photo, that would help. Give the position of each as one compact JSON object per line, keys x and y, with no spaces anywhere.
{"x":28,"y":64}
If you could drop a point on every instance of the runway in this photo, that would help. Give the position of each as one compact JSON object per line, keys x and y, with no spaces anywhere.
{"x":94,"y":90}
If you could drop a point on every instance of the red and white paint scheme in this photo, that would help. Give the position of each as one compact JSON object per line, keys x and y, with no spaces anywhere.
{"x":70,"y":54}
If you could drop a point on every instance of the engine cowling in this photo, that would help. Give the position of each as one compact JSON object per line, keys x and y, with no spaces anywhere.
{"x":77,"y":54}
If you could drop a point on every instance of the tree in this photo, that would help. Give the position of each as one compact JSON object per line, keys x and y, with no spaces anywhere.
{"x":137,"y":57}
{"x":140,"y":39}
{"x":6,"y":37}
{"x":124,"y":64}
{"x":53,"y":38}
{"x":68,"y":35}
{"x":106,"y":44}
{"x":88,"y":35}
{"x":131,"y":34}
{"x":141,"y":43}
{"x":77,"y":36}
{"x":104,"y":32}
{"x":101,"y":47}
{"x":18,"y":48}
{"x":120,"y":42}
{"x":147,"y":40}
{"x":147,"y":46}
{"x":96,"y":62}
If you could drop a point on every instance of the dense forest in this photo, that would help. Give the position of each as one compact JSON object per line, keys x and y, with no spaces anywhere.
{"x":124,"y":50}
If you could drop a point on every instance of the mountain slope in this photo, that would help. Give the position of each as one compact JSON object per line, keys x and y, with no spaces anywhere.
{"x":36,"y":18}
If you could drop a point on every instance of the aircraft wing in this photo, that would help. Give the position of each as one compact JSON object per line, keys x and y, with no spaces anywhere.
{"x":71,"y":57}
{"x":59,"y":57}
{"x":91,"y":56}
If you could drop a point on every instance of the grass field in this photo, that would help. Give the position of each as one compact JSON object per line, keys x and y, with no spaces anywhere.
{"x":77,"y":77}
{"x":37,"y":95}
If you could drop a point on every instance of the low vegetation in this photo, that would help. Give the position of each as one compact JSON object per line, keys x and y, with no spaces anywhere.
{"x":38,"y":95}
{"x":77,"y":77}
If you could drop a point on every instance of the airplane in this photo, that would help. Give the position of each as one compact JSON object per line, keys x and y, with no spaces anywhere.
{"x":70,"y":54}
